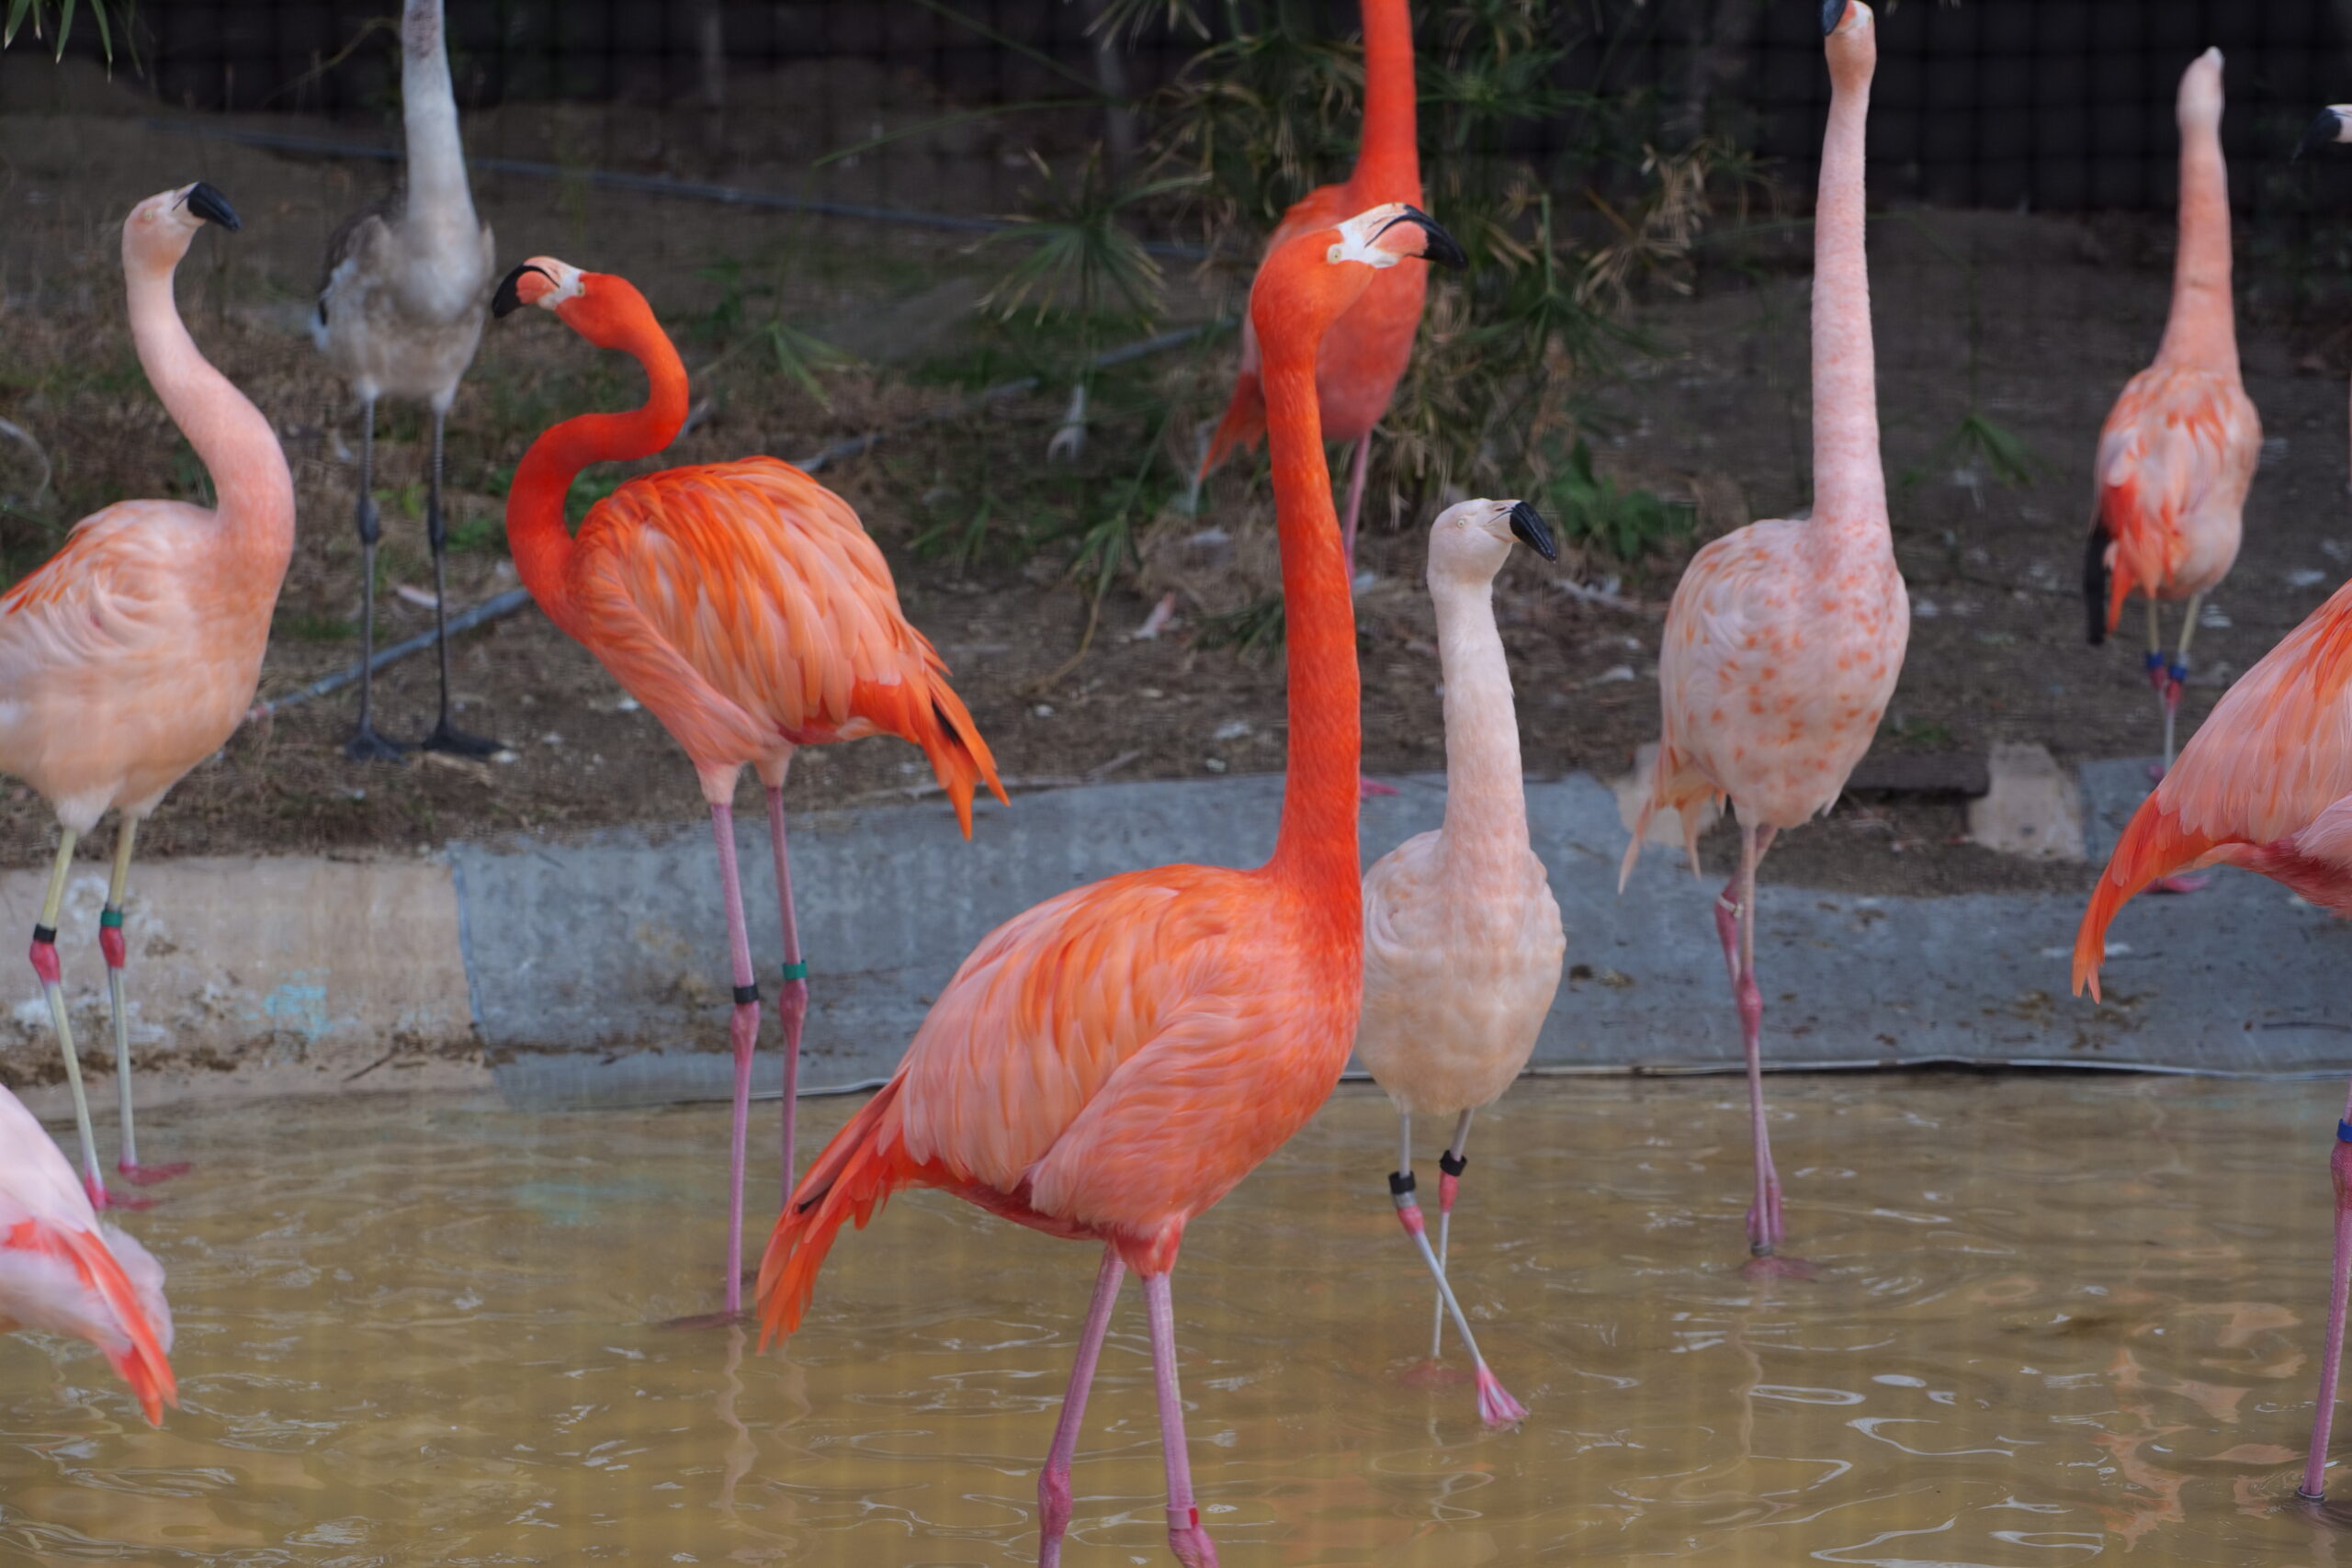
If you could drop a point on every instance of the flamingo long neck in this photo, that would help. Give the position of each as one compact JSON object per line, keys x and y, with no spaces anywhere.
{"x":1388,"y":159}
{"x":1849,"y":486}
{"x":2202,"y":330}
{"x":439,"y":199}
{"x":537,"y":534}
{"x":1317,"y":845}
{"x":238,"y":448}
{"x":1486,"y":793}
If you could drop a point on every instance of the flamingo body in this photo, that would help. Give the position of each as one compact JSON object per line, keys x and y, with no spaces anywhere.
{"x":63,"y":1270}
{"x":2175,"y":459}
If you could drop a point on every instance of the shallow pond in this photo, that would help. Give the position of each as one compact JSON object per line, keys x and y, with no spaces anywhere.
{"x":2055,"y":1318}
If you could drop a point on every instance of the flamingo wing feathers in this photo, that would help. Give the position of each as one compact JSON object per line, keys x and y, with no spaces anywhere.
{"x":745,"y":604}
{"x":62,"y":1269}
{"x":2272,"y":762}
{"x":2175,"y":458}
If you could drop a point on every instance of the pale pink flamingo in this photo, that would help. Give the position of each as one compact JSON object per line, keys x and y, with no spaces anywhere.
{"x":745,"y":606}
{"x":1461,"y":935}
{"x":2179,"y":450}
{"x":1785,"y":638}
{"x":131,"y":654}
{"x":63,"y":1271}
{"x":1110,"y":1064}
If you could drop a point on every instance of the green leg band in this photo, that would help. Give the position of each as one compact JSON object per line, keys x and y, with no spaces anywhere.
{"x":792,"y":972}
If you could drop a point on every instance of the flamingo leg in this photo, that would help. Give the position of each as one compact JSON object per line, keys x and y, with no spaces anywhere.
{"x":2339,"y":1165}
{"x":1449,"y":1165}
{"x":1191,"y":1544}
{"x":1053,"y":1481}
{"x":792,"y":1000}
{"x":1496,"y":1407}
{"x":1360,"y":462}
{"x":743,"y":1034}
{"x":2169,"y":682}
{"x":116,"y":950}
{"x":1764,"y":1217}
{"x":52,"y":987}
{"x":366,"y":744}
{"x":445,"y":735}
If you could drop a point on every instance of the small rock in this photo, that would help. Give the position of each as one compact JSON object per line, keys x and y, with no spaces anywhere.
{"x":2033,"y":810}
{"x":1214,"y":764}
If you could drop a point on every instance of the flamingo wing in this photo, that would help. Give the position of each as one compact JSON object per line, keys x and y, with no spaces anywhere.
{"x":2175,"y":458}
{"x":748,"y":607}
{"x":106,"y":593}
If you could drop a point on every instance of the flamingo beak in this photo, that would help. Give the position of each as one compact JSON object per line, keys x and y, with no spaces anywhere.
{"x":1527,"y":526}
{"x":2327,"y":128}
{"x":212,"y":206}
{"x":1437,"y":246}
{"x":509,"y":298}
{"x":1832,"y":13}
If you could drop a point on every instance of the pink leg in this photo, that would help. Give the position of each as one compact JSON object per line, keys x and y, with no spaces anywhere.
{"x":792,"y":1001}
{"x":1356,"y":469}
{"x":1496,"y":1407}
{"x":743,"y":1034}
{"x":1053,"y":1481}
{"x":52,"y":987}
{"x":110,"y":943}
{"x":1450,"y":1166}
{"x":1185,"y":1537}
{"x":1764,"y":1216}
{"x":2339,"y":1166}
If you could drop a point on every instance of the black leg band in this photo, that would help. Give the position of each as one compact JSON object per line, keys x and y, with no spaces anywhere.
{"x":745,"y":993}
{"x":1399,"y":1183}
{"x":1453,"y":1164}
{"x":44,"y":936}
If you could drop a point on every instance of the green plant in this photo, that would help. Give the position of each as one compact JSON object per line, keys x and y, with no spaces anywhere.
{"x":53,"y":20}
{"x":734,"y":325}
{"x":1589,"y":508}
{"x":1978,"y":444}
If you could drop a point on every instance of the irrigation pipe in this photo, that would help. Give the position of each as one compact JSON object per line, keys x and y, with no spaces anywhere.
{"x":514,"y":598}
{"x":643,"y":184}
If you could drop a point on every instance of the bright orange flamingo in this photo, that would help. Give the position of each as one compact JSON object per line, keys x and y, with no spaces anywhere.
{"x":1785,"y":638}
{"x":2179,"y":450}
{"x":1110,"y":1064}
{"x":1366,"y":353}
{"x":63,"y":1270}
{"x":746,"y":607}
{"x":131,"y":654}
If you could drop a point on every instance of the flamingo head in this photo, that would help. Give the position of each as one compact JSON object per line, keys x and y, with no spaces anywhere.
{"x":2200,"y":104}
{"x":1851,"y":30}
{"x":600,"y":307}
{"x":1311,"y":281}
{"x":2333,"y":125}
{"x":1387,"y":234}
{"x":160,"y":228}
{"x":1469,"y":542}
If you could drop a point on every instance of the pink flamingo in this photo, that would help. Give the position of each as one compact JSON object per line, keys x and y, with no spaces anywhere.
{"x":63,"y":1270}
{"x":747,"y":608}
{"x":131,"y":654}
{"x":1461,"y":935}
{"x":2179,"y":450}
{"x":1108,"y":1065}
{"x":1785,"y":638}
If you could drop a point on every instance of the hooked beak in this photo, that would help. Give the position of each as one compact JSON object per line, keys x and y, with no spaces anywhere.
{"x":212,"y":206}
{"x":2328,"y":128}
{"x":1437,"y":246}
{"x":509,"y":298}
{"x":1832,"y":13}
{"x":1527,"y":526}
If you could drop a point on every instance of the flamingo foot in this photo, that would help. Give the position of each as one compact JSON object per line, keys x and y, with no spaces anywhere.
{"x":1191,"y":1544}
{"x":1496,"y":1408}
{"x":103,"y":1198}
{"x":1367,"y":788}
{"x":367,"y":745}
{"x":2179,"y":884}
{"x":695,"y":1323}
{"x":1432,"y":1374}
{"x":2156,"y":772}
{"x":448,"y":738}
{"x":148,"y":1175}
{"x":1772,"y":1266}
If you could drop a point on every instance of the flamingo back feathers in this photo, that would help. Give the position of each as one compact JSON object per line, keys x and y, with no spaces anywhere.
{"x":2174,"y":459}
{"x":745,"y":604}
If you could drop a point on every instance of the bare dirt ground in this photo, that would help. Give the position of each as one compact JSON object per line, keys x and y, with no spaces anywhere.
{"x":2067,"y":310}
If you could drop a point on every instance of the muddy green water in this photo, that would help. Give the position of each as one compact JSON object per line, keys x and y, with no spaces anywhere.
{"x":2056,"y":1319}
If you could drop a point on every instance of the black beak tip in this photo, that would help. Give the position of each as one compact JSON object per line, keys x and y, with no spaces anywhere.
{"x":1832,"y":13}
{"x":509,"y":298}
{"x":1439,"y":246}
{"x":1528,"y":526}
{"x":2320,"y":132}
{"x":212,"y":206}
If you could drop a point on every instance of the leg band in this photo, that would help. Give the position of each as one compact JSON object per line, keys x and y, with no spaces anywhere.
{"x":1453,"y":1164}
{"x":2344,"y":1132}
{"x":1400,"y":1185}
{"x":2179,"y":674}
{"x":110,"y":918}
{"x":746,"y":995}
{"x":44,"y":936}
{"x":792,"y":972}
{"x":2155,"y":661}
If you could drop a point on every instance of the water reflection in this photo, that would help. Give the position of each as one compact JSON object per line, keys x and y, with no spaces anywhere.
{"x":2054,"y":1319}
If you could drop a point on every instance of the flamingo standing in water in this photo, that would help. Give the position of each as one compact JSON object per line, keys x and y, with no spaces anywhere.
{"x":1461,"y":935}
{"x":1366,"y":353}
{"x":1110,"y":1064}
{"x":744,"y":606}
{"x":63,"y":1271}
{"x":2179,"y":450}
{"x":399,"y":314}
{"x":1785,"y":638}
{"x":131,"y":654}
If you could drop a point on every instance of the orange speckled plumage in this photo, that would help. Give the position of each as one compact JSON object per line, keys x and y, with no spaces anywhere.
{"x":2176,"y":458}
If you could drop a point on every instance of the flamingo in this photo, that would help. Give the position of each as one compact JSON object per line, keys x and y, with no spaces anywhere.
{"x":2179,"y":447}
{"x":130,"y":655}
{"x":63,"y":1271}
{"x":745,"y":606}
{"x":1365,"y":354}
{"x":1108,"y":1065}
{"x":399,"y":314}
{"x":1785,"y":638}
{"x":1461,"y":935}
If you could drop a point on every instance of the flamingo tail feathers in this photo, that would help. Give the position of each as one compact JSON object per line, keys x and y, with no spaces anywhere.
{"x":2154,"y":845}
{"x":848,"y":1182}
{"x":958,"y":756}
{"x":142,"y":1364}
{"x":1244,"y":425}
{"x":2098,"y":573}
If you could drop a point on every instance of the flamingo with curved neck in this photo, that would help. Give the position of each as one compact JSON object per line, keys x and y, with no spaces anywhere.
{"x":745,"y":606}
